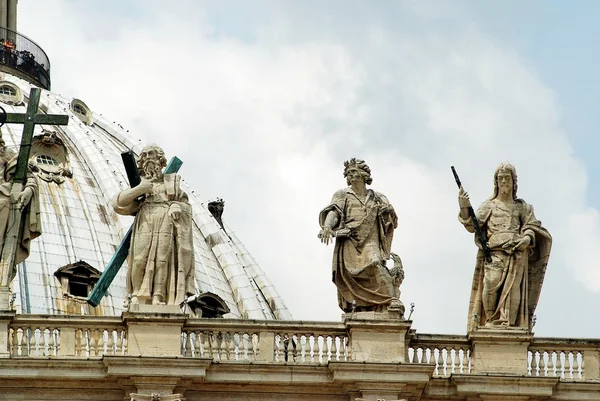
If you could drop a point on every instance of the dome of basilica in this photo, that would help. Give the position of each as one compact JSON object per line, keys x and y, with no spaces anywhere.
{"x":79,"y":170}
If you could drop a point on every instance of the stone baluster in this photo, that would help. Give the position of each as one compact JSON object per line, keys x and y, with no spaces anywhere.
{"x":42,"y":343}
{"x":317,"y":350}
{"x":302,"y":342}
{"x":536,"y":356}
{"x":289,"y":357}
{"x":255,"y":346}
{"x":31,"y":342}
{"x":559,"y":364}
{"x":125,"y":344}
{"x":92,"y":342}
{"x":198,"y":339}
{"x":110,"y":344}
{"x":119,"y":347}
{"x":551,"y":364}
{"x":348,"y":348}
{"x":101,"y":341}
{"x":453,"y":354}
{"x":11,"y":341}
{"x":222,"y":346}
{"x":51,"y":343}
{"x":188,"y":344}
{"x":25,"y":342}
{"x":334,"y":349}
{"x":229,"y":346}
{"x":568,"y":366}
{"x":214,"y":347}
{"x":543,"y":364}
{"x":206,"y":352}
{"x":435,"y":355}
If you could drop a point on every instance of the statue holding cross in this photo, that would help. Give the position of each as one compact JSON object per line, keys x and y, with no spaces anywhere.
{"x":19,"y":206}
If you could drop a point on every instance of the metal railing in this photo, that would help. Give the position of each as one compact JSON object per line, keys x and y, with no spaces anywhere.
{"x":23,"y":54}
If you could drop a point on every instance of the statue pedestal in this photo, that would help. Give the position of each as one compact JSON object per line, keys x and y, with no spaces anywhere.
{"x":5,"y":299}
{"x":154,"y":330}
{"x":377,"y":336}
{"x":500,"y":350}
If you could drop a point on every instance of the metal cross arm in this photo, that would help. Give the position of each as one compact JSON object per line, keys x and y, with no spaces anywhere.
{"x":115,"y":263}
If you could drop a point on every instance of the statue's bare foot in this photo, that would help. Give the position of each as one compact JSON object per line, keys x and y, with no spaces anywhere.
{"x":134,"y":301}
{"x":157,"y":300}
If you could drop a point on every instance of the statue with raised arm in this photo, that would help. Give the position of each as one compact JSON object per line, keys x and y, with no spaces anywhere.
{"x":362,"y":222}
{"x":27,"y":202}
{"x":507,"y":286}
{"x":161,"y":254}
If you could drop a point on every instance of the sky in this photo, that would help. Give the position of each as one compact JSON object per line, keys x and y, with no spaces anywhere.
{"x":265,"y":100}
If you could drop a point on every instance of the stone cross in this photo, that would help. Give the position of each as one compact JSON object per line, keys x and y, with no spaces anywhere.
{"x":29,"y":119}
{"x":115,"y":263}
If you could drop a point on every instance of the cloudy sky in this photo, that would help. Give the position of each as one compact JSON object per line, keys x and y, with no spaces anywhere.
{"x":264,"y":100}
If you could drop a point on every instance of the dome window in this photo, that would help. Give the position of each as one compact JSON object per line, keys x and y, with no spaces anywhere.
{"x":10,"y":93}
{"x":7,"y":90}
{"x":48,"y":160}
{"x":82,"y":112}
{"x":79,"y":110}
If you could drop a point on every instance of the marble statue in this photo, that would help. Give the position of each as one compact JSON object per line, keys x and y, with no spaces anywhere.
{"x":27,"y":202}
{"x":362,"y":222}
{"x":161,"y":255}
{"x":506,"y":290}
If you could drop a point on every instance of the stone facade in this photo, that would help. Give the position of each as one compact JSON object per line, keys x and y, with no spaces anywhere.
{"x":166,"y":356}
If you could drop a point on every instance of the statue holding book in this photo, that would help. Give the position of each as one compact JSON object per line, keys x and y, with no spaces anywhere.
{"x":161,"y":254}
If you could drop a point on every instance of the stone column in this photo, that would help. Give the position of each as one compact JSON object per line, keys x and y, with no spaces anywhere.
{"x":501,"y":350}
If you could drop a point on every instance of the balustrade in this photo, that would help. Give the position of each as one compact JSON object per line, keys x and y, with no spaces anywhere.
{"x":274,"y":341}
{"x":563,"y":358}
{"x":450,"y":354}
{"x":83,"y":336}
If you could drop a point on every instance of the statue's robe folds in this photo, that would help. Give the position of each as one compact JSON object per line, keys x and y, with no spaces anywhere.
{"x":161,"y":255}
{"x":359,"y":270}
{"x":32,"y":225}
{"x":503,"y":225}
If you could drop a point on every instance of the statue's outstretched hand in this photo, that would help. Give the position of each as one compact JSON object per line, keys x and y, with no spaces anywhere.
{"x":24,"y":198}
{"x":325,"y":235}
{"x":463,"y":198}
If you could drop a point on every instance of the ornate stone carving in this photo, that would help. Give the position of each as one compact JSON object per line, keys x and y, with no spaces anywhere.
{"x":506,"y":290}
{"x":49,"y":158}
{"x":362,"y":222}
{"x":161,"y":255}
{"x":27,"y":201}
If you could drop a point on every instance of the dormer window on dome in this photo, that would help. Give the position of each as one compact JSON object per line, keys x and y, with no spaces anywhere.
{"x":77,"y":279}
{"x":49,"y":159}
{"x":10,"y":93}
{"x":82,"y":112}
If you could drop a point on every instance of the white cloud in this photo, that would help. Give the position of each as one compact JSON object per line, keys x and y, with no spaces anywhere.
{"x":267,"y":123}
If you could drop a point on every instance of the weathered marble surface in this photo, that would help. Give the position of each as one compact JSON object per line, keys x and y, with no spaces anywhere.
{"x":506,"y":290}
{"x":362,"y":222}
{"x":161,"y":257}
